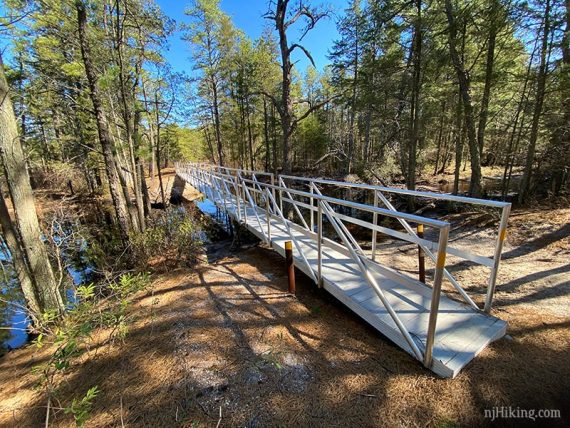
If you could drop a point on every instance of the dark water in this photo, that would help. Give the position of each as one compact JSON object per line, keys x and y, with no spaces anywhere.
{"x":222,"y":219}
{"x":14,"y":321}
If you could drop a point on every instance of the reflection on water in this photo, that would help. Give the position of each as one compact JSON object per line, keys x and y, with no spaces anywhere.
{"x":218,"y":215}
{"x":14,"y":321}
{"x":12,"y":314}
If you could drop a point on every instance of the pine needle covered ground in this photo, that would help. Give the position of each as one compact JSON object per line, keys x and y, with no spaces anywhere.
{"x":225,"y":342}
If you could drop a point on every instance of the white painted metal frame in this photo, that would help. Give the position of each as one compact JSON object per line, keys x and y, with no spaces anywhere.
{"x":429,"y":247}
{"x":234,"y":189}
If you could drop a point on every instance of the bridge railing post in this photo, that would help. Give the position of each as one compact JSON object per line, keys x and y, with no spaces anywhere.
{"x":273,"y":184}
{"x":436,"y":294}
{"x":320,"y":244}
{"x":238,"y":203}
{"x":375,"y":222}
{"x":242,"y":195}
{"x":497,"y":258}
{"x":223,"y":190}
{"x":268,"y":217}
{"x":312,"y":204}
{"x":281,"y":185}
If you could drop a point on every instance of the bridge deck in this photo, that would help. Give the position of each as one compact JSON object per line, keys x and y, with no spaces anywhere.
{"x":461,"y":333}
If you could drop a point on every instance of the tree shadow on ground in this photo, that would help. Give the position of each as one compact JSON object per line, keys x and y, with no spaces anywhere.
{"x":231,"y":337}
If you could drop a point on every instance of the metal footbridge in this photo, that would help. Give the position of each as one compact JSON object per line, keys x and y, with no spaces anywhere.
{"x":443,"y":333}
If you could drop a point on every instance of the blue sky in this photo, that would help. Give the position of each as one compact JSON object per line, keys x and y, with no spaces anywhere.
{"x":247,"y":16}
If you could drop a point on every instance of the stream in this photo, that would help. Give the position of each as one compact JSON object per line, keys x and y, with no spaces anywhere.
{"x":14,"y":321}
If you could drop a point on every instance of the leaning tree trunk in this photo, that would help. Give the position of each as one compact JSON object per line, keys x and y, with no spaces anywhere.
{"x":18,"y":260}
{"x":119,"y":201}
{"x":33,"y":249}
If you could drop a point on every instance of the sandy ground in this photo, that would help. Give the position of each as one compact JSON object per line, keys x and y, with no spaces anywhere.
{"x":226,"y":344}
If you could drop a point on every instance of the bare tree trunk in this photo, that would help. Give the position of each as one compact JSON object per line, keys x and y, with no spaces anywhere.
{"x":415,"y":108}
{"x":440,"y":136}
{"x":117,"y":195}
{"x":464,"y":89}
{"x":266,"y":135}
{"x":351,"y":131}
{"x":274,"y":140}
{"x":158,"y":150}
{"x":150,"y":133}
{"x":540,"y":85}
{"x":512,"y":147}
{"x":217,"y":125}
{"x":286,"y":110}
{"x":33,"y":249}
{"x":561,"y":167}
{"x":19,"y":261}
{"x":489,"y":69}
{"x":139,"y":164}
{"x":128,"y":121}
{"x":250,"y":141}
{"x":367,"y":125}
{"x":208,"y":143}
{"x":458,"y":145}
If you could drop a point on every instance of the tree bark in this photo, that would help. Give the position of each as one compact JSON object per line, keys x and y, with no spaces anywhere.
{"x":561,"y":167}
{"x":286,"y":101}
{"x":118,"y":198}
{"x":158,"y":150}
{"x":458,"y":145}
{"x":19,"y":261}
{"x":127,"y":100}
{"x":33,"y":249}
{"x":464,"y":89}
{"x":217,"y":125}
{"x":416,"y":86}
{"x":489,"y":69}
{"x":266,"y":135}
{"x":537,"y":112}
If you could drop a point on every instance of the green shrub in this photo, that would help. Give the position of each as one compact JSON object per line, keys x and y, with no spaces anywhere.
{"x":70,"y":335}
{"x":170,"y":239}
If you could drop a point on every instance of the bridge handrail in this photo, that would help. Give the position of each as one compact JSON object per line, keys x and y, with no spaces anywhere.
{"x":356,"y":205}
{"x":492,"y":263}
{"x":215,"y":178}
{"x":407,"y":192}
{"x":427,"y":245}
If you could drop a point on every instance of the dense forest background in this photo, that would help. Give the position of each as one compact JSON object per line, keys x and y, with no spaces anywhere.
{"x":414,"y":90}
